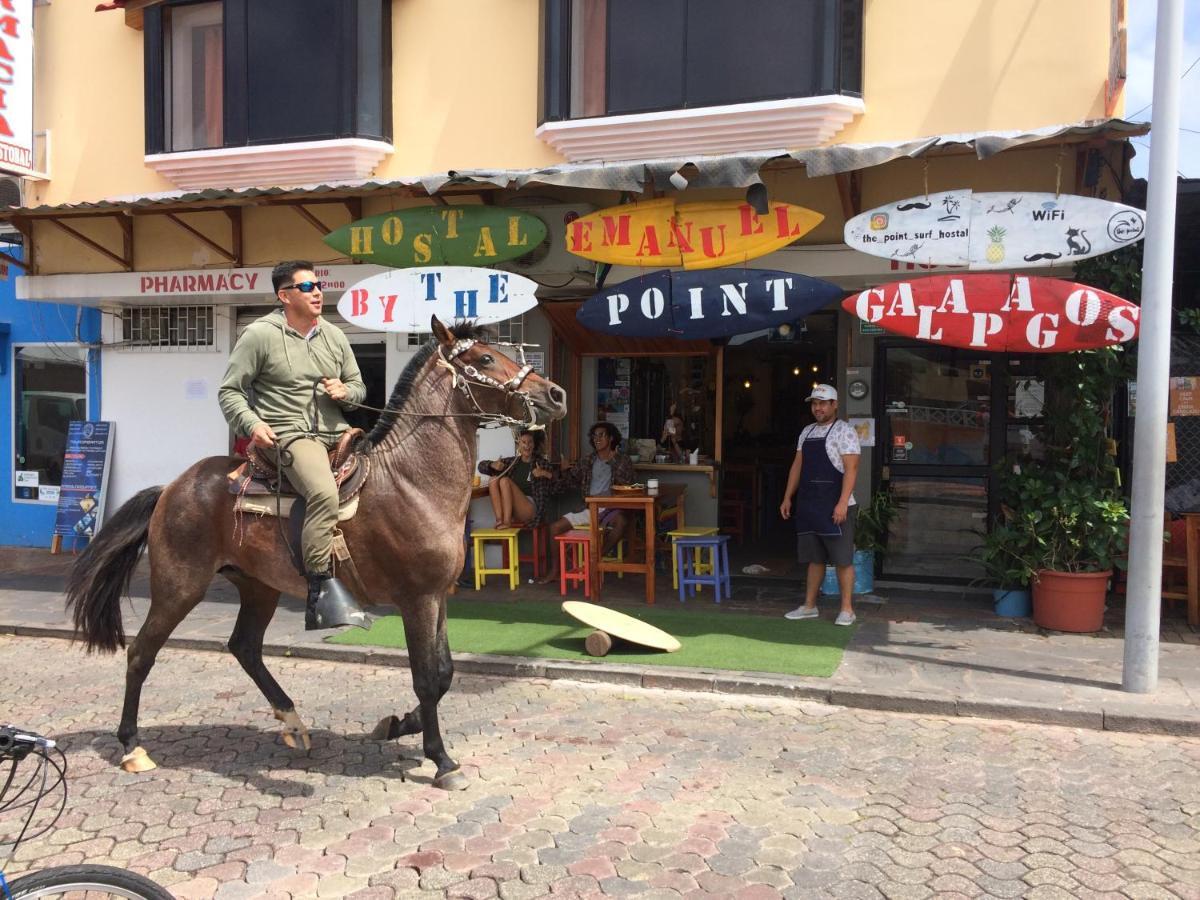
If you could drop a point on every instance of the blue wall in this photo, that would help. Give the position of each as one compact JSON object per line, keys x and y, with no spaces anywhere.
{"x":28,"y":523}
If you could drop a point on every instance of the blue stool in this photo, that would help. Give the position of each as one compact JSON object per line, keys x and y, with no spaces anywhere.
{"x":717,"y":573}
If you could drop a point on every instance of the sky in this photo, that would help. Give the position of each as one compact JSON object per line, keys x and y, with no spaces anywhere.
{"x":1139,"y":84}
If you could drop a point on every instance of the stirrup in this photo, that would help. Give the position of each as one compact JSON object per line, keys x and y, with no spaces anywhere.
{"x":330,"y":605}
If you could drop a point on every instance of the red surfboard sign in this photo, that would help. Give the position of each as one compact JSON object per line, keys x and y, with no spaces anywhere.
{"x":999,"y":313}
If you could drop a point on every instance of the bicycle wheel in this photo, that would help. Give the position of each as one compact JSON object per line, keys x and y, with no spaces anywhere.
{"x":90,"y":882}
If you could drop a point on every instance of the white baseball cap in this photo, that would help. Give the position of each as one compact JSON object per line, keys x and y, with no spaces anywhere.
{"x":822,"y":392}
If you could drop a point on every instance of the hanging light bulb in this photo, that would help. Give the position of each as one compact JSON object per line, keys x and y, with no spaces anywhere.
{"x":746,"y":384}
{"x":816,"y":369}
{"x":796,"y":370}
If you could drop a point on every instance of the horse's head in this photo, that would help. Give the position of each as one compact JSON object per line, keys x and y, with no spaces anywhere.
{"x":495,"y":384}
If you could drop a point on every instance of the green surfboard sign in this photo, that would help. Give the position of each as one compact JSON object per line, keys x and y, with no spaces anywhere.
{"x":440,"y":236}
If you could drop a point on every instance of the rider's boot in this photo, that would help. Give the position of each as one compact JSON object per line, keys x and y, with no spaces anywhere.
{"x":329,"y":604}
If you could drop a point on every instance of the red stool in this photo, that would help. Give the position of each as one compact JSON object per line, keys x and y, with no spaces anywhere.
{"x":575,"y":547}
{"x":537,"y":553}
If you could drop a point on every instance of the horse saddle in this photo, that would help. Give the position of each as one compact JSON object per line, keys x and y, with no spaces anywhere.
{"x":261,"y":488}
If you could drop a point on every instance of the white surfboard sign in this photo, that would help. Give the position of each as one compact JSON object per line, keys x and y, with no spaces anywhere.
{"x":404,"y":299}
{"x":995,"y":230}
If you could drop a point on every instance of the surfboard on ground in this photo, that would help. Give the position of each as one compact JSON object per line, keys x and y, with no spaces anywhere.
{"x":620,"y":625}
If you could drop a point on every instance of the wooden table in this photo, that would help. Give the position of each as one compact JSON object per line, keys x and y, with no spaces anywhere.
{"x":670,"y":499}
{"x":1193,"y":568}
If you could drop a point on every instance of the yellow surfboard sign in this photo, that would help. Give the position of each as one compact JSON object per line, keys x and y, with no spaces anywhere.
{"x":660,"y":233}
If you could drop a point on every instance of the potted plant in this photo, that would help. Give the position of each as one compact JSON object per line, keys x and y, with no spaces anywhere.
{"x":1077,"y":531}
{"x":870,"y":540}
{"x":1064,"y":507}
{"x":1008,"y":564}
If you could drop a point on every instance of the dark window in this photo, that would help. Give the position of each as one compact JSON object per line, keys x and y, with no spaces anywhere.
{"x":609,"y":57}
{"x":49,"y":391}
{"x":228,"y":73}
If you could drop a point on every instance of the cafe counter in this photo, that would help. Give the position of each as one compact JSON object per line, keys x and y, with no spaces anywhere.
{"x":701,"y":507}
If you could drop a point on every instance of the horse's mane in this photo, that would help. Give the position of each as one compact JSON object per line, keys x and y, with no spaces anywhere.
{"x":462,"y":330}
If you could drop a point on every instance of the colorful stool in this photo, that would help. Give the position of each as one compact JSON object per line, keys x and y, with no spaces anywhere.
{"x":509,"y":559}
{"x":687,"y":531}
{"x":537,"y":552}
{"x":718,"y":548}
{"x":574,"y":561}
{"x":619,"y":555}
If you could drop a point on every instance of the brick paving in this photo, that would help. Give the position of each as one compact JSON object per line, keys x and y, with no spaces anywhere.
{"x":918,"y":651}
{"x":586,"y":790}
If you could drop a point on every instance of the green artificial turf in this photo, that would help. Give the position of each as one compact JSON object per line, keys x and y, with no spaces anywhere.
{"x":542,"y":630}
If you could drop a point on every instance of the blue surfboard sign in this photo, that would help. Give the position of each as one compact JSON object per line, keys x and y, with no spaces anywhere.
{"x":705,"y":303}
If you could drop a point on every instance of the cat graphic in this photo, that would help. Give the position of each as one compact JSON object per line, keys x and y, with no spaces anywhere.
{"x":1078,"y":243}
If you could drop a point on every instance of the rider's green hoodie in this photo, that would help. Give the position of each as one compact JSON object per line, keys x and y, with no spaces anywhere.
{"x":272,"y":372}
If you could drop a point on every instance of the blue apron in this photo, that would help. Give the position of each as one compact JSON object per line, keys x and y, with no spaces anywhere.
{"x":820,"y":489}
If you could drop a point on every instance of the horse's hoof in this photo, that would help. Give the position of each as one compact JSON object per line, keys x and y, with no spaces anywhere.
{"x":137,"y":760}
{"x":454,"y":780}
{"x":293,"y":729}
{"x":388,"y":728}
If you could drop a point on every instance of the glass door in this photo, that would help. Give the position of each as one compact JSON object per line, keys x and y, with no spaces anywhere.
{"x":938,"y":442}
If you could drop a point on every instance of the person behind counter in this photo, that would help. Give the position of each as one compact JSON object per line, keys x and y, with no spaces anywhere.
{"x":594,"y":475}
{"x":672,"y":435}
{"x":515,"y":494}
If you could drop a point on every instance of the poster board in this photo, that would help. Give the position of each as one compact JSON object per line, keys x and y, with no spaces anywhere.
{"x":86,"y":467}
{"x":1184,"y":396}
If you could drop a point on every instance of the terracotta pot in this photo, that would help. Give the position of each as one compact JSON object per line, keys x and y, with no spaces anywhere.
{"x":1070,"y":601}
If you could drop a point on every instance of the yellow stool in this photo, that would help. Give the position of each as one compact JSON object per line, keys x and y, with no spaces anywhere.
{"x":689,"y":531}
{"x":510,"y":562}
{"x":619,"y":556}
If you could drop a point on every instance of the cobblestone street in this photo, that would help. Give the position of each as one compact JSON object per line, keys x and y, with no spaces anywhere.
{"x":586,"y":790}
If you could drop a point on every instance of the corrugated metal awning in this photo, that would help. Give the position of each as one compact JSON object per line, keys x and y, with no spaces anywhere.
{"x":739,"y":170}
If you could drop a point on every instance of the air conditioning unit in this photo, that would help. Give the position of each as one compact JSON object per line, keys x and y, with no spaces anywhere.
{"x":12,"y":193}
{"x":550,"y":261}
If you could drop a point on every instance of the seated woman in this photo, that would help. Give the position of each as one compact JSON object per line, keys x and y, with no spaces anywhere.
{"x":517,"y":496}
{"x":594,"y":475}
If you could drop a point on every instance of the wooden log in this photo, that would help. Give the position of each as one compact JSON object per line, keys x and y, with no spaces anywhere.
{"x":598,"y":643}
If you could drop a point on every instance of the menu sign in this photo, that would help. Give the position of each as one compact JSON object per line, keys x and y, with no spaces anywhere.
{"x":1185,"y":396}
{"x":84,"y":479}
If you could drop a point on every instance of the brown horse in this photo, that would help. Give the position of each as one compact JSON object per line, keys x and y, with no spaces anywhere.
{"x":406,"y":538}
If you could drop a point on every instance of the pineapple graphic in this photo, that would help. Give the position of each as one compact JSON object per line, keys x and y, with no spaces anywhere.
{"x":995,"y":250}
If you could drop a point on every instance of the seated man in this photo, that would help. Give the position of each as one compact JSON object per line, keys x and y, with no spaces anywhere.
{"x":594,"y":475}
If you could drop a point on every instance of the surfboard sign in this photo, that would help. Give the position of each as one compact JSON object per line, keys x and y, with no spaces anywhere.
{"x":440,"y":235}
{"x":661,"y":233}
{"x":705,"y":304}
{"x":404,"y":299}
{"x":999,"y":313}
{"x":995,"y":230}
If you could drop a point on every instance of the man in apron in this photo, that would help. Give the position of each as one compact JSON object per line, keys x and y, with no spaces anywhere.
{"x":824,"y":470}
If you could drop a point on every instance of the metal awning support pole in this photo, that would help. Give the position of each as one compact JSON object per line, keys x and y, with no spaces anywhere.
{"x":1144,"y":596}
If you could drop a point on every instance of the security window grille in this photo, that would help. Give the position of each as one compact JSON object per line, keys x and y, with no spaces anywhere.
{"x":418,"y":338}
{"x":511,"y":331}
{"x":176,"y":327}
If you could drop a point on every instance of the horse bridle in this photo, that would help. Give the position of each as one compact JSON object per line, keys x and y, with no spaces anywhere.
{"x":466,"y":377}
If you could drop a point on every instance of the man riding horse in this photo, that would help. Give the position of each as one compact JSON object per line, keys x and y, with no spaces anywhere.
{"x":289,"y":376}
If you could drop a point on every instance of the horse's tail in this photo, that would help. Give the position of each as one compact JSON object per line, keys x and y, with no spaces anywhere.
{"x":104,"y":569}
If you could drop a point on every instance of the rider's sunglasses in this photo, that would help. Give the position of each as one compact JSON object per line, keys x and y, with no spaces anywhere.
{"x":306,"y":287}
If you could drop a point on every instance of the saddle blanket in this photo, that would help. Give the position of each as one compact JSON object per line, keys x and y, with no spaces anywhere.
{"x":264,"y":505}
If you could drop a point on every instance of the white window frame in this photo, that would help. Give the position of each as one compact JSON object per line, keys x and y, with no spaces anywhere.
{"x":175,"y":65}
